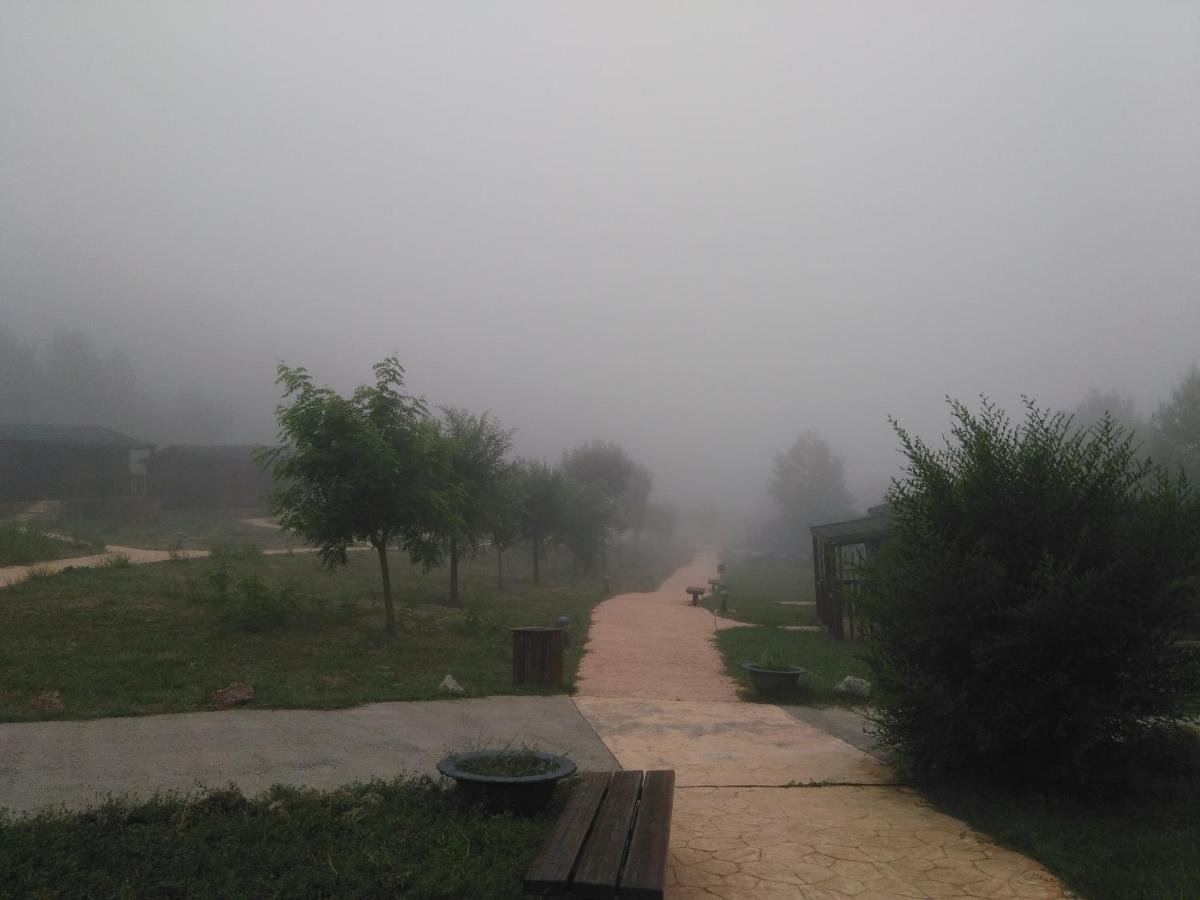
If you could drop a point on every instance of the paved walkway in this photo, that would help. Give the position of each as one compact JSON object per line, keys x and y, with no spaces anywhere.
{"x":71,"y":763}
{"x":744,"y":827}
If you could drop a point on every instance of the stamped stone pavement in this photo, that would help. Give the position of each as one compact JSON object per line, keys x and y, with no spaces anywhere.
{"x":767,"y":805}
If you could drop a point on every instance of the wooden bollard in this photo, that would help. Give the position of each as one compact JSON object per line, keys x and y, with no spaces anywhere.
{"x":538,"y":656}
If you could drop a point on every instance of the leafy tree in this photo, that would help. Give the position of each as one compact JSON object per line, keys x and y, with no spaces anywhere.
{"x":475,"y":448}
{"x":369,"y":467}
{"x":624,"y":482}
{"x":808,"y":485}
{"x":1024,"y":619}
{"x":584,"y":520}
{"x":1097,"y":404}
{"x":503,"y":517}
{"x":603,"y":463}
{"x":1176,"y":438}
{"x":541,"y":511}
{"x":661,"y":521}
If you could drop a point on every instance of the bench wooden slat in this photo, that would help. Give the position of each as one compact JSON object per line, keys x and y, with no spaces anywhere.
{"x":551,"y":871}
{"x":645,"y":866}
{"x":600,"y":865}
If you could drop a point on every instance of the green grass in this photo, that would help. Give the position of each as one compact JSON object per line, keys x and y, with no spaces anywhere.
{"x":27,"y":543}
{"x":169,"y":528}
{"x":379,"y":839}
{"x":756,"y":589}
{"x":1134,"y":839}
{"x":159,"y":638}
{"x":828,"y":661}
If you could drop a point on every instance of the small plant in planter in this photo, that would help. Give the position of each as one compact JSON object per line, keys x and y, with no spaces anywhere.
{"x":772,"y":674}
{"x":507,"y":780}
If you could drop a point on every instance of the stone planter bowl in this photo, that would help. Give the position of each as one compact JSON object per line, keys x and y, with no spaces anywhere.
{"x":524,"y":795}
{"x":774,"y":681}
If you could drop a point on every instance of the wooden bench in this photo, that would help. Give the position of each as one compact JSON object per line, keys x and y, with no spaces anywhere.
{"x":611,"y":839}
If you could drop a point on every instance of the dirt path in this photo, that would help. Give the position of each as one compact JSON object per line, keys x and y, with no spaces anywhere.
{"x":767,"y":805}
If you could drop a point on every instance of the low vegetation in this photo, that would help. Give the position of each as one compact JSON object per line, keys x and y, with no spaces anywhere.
{"x":828,"y":661}
{"x":161,"y":638}
{"x":27,"y":543}
{"x":379,"y":839}
{"x":767,"y":592}
{"x":1133,"y":838}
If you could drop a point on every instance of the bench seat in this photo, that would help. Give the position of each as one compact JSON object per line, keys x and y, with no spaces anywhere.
{"x":611,"y":839}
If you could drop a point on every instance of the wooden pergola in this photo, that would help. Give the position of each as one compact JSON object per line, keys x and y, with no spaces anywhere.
{"x":839,"y":551}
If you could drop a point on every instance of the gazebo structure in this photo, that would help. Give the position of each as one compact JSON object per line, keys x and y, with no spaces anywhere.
{"x":839,"y":551}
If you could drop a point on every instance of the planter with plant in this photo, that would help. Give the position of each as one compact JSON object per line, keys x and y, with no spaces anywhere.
{"x":507,"y":780}
{"x":772,"y":674}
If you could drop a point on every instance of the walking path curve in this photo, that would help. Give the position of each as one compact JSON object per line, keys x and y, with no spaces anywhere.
{"x":767,"y":805}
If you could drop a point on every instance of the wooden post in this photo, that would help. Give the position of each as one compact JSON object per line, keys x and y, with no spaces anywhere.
{"x":538,"y":656}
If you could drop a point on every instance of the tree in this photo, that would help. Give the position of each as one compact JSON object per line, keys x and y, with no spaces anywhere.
{"x":1097,"y":404}
{"x":475,"y":448}
{"x":584,"y":520}
{"x":1024,"y":620}
{"x":661,"y":521}
{"x":541,"y":511}
{"x":603,"y":463}
{"x":808,"y":485}
{"x":369,"y":467}
{"x":502,"y":520}
{"x":1176,"y":428}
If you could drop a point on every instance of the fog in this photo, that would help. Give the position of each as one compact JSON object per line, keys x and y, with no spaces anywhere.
{"x":693,"y":228}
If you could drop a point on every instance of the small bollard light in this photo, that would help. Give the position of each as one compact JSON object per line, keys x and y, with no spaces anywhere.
{"x":564,"y":622}
{"x":724,"y":591}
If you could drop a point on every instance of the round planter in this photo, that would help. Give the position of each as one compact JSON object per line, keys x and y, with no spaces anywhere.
{"x":774,"y":681}
{"x":521,"y":794}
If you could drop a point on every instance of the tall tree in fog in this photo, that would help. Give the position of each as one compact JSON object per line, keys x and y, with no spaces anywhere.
{"x":475,"y":448}
{"x":1092,"y":409}
{"x":503,"y":515}
{"x":541,"y":507}
{"x":369,"y":467}
{"x":586,"y":516}
{"x":1176,"y":438}
{"x":808,"y":485}
{"x":624,"y":482}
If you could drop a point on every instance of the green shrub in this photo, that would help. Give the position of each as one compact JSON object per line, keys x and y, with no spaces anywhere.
{"x":249,"y":603}
{"x":1024,"y":619}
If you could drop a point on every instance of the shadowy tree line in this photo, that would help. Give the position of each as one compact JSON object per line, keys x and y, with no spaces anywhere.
{"x":378,"y":467}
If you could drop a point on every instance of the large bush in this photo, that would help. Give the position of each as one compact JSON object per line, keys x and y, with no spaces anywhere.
{"x":1025,"y":617}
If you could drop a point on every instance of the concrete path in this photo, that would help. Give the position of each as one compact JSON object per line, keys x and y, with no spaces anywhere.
{"x":71,"y":763}
{"x":652,"y":687}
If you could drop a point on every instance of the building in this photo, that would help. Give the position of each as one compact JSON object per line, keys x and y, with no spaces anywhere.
{"x":68,"y":462}
{"x":840,"y":550}
{"x":207,"y":477}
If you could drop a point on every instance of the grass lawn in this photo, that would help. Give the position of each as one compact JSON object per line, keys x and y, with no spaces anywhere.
{"x":380,"y":839}
{"x":145,"y":639}
{"x":761,"y":593}
{"x":828,"y":661}
{"x":1136,"y":840}
{"x":26,"y":543}
{"x":188,"y":528}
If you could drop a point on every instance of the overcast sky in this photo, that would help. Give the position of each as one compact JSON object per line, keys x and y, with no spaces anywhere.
{"x":695,"y":228}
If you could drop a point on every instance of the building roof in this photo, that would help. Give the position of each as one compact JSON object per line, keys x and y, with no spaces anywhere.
{"x":70,"y":436}
{"x":875,"y":527}
{"x":210,"y":451}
